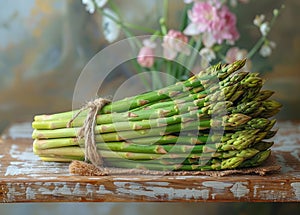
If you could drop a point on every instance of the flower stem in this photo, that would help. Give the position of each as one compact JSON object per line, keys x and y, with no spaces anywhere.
{"x":256,"y":47}
{"x":137,"y":27}
{"x":163,"y":26}
{"x":114,"y":7}
{"x":263,"y":38}
{"x":155,"y":35}
{"x":169,"y":72}
{"x":195,"y":52}
{"x":140,"y":69}
{"x":184,"y":19}
{"x":156,"y":80}
{"x":121,"y":24}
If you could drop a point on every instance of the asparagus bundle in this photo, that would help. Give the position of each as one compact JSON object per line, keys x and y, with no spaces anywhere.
{"x":218,"y":119}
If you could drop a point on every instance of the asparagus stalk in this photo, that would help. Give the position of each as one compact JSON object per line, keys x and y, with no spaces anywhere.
{"x":156,"y":149}
{"x":230,"y":141}
{"x":257,"y":160}
{"x":263,"y":95}
{"x":172,"y":108}
{"x":65,"y":159}
{"x":248,"y":89}
{"x":252,"y":108}
{"x":153,"y":153}
{"x":271,"y":107}
{"x":171,"y":124}
{"x":156,"y":110}
{"x":76,"y":151}
{"x":178,"y":149}
{"x":221,"y":72}
{"x":236,"y":140}
{"x":270,"y":134}
{"x":230,"y":163}
{"x":262,"y":145}
{"x":163,"y":140}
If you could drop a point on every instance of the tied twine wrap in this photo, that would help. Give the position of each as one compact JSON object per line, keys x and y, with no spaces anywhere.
{"x":87,"y":131}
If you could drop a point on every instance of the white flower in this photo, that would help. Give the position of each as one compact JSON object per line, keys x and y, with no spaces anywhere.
{"x":208,"y":39}
{"x":111,"y":29}
{"x":89,"y":5}
{"x":264,"y":28}
{"x":191,"y":29}
{"x":100,"y":3}
{"x":188,"y":1}
{"x":259,"y":20}
{"x":266,"y":49}
{"x":207,"y":55}
{"x":233,"y":3}
{"x":149,"y":43}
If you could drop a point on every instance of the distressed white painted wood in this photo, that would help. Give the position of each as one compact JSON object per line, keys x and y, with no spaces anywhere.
{"x":24,"y":178}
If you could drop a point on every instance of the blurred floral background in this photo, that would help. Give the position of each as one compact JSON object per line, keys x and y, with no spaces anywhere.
{"x":44,"y":45}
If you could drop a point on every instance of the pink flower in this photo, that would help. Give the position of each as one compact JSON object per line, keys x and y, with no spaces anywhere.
{"x":203,"y":18}
{"x":146,"y":54}
{"x":227,"y":26}
{"x":234,"y":54}
{"x":174,"y":42}
{"x":213,"y":20}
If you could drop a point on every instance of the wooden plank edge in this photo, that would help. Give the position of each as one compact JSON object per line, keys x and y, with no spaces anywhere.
{"x":167,"y":189}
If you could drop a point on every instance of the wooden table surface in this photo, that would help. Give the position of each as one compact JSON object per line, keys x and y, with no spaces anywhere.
{"x":24,"y":178}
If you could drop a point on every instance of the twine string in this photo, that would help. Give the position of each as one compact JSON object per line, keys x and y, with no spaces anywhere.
{"x":87,"y":131}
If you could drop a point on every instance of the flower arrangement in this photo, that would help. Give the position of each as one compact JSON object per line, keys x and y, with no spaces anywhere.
{"x":208,"y":26}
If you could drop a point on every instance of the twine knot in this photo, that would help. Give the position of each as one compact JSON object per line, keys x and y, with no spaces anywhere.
{"x":87,"y":131}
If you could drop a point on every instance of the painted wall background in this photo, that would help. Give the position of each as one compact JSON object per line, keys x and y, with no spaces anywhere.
{"x":44,"y":45}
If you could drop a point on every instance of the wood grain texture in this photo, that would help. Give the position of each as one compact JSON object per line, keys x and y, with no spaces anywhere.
{"x":24,"y":178}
